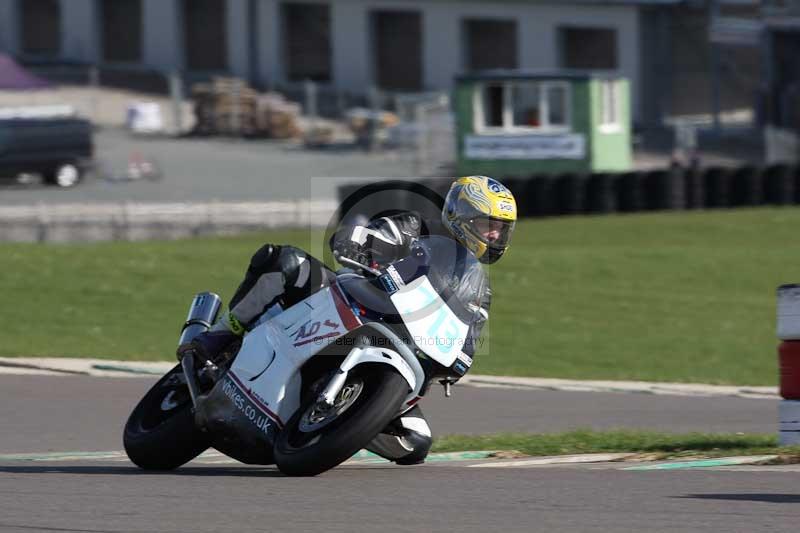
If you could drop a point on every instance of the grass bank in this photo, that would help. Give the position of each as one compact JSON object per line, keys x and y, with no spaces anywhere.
{"x":655,"y":444}
{"x":660,"y":297}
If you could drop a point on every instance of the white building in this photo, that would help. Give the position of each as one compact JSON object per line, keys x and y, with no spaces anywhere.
{"x":351,"y":45}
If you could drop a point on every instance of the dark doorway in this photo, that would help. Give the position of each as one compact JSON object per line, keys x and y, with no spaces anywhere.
{"x":40,"y":22}
{"x":785,"y":88}
{"x":307,"y":41}
{"x":205,"y":34}
{"x":490,"y":44}
{"x":397,"y":40}
{"x":588,"y":48}
{"x":121,"y":26}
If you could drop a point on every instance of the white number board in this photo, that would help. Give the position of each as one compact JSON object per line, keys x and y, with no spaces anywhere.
{"x":435,"y":329}
{"x":525,"y":146}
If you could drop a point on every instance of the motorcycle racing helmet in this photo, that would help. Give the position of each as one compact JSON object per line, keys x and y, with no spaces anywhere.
{"x":480,"y":213}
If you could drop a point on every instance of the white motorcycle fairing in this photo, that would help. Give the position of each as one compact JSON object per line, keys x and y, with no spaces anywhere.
{"x":262,"y":389}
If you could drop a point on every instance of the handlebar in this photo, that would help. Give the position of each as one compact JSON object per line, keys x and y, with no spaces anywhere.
{"x":346,"y":261}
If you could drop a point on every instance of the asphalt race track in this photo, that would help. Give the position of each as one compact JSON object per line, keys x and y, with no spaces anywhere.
{"x":213,"y":169}
{"x":48,"y":415}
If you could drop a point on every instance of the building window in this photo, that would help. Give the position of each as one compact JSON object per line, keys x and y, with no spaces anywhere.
{"x":307,"y":41}
{"x":523,"y":107}
{"x":397,"y":40}
{"x":588,"y":48}
{"x":610,"y":119}
{"x":490,"y":44}
{"x":205,"y":35}
{"x":40,"y":22}
{"x":122,"y":30}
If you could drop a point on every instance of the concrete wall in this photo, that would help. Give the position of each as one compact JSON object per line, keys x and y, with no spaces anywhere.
{"x":139,"y":222}
{"x":269,"y":50}
{"x":350,"y":34}
{"x":162,"y":40}
{"x":238,"y":34}
{"x":9,"y":27}
{"x":79,"y":30}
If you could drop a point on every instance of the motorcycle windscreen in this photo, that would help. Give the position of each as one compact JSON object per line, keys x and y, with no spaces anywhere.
{"x":434,"y":327}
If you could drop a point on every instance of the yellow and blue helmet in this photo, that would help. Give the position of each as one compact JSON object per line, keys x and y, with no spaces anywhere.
{"x":480,"y":212}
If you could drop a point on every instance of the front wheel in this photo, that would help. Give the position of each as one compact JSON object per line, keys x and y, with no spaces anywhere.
{"x":318,"y":437}
{"x":160,"y":433}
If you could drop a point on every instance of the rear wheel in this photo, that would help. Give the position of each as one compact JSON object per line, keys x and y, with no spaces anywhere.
{"x":160,"y":433}
{"x":318,"y":437}
{"x":64,"y":175}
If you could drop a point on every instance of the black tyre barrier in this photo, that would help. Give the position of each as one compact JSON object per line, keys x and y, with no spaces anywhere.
{"x":630,"y":192}
{"x":541,"y":195}
{"x":716,"y":181}
{"x":664,"y":189}
{"x":779,"y":185}
{"x":695,"y":188}
{"x":601,"y":195}
{"x":519,"y":188}
{"x":570,"y":194}
{"x":746,"y":186}
{"x":573,"y":193}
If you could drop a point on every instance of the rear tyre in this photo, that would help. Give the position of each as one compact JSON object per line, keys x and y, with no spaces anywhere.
{"x":64,"y":175}
{"x":315,"y":439}
{"x":160,"y":433}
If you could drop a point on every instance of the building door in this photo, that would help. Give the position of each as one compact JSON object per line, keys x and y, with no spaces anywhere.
{"x":397,"y":42}
{"x":307,"y":41}
{"x":490,"y":44}
{"x":40,"y":22}
{"x":121,"y":30}
{"x":588,"y":48}
{"x":205,"y":34}
{"x":785,"y":90}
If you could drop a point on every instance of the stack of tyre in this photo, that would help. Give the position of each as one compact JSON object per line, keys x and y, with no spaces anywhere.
{"x":789,"y":363}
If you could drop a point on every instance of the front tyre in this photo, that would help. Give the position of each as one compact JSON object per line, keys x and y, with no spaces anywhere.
{"x":317,"y":439}
{"x":160,"y":433}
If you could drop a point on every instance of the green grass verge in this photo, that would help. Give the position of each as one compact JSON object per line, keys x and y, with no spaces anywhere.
{"x":645,"y":442}
{"x":676,"y":296}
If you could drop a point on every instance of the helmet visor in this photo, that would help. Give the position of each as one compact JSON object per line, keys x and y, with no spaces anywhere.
{"x":492,"y":231}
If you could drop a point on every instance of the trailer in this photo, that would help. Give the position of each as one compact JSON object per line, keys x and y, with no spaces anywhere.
{"x":59,"y":149}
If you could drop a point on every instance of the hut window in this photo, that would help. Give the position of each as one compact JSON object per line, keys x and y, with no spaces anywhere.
{"x":526,"y":106}
{"x":609,"y":105}
{"x":557,"y":105}
{"x":493,"y":106}
{"x":522,"y":107}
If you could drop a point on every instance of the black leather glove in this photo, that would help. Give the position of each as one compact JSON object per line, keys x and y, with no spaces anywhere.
{"x":351,"y":250}
{"x":193,"y":348}
{"x":206,"y":346}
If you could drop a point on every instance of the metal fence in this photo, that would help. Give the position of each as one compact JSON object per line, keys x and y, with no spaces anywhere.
{"x":136,"y":222}
{"x":426,"y":132}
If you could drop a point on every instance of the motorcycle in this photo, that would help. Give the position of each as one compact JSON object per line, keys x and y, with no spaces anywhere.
{"x":310,"y":386}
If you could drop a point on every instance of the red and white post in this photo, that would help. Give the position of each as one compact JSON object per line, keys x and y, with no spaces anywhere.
{"x":789,"y":364}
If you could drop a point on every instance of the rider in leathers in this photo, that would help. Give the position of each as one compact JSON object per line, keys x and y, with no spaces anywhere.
{"x":479,"y":214}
